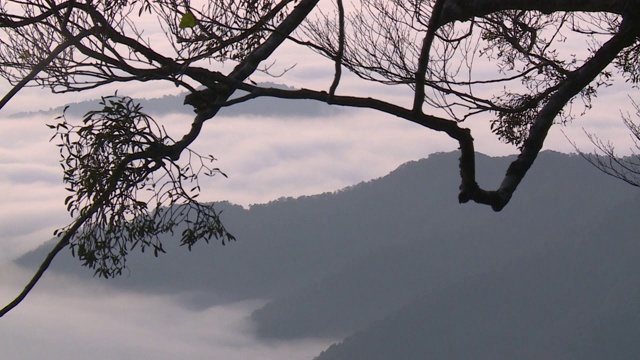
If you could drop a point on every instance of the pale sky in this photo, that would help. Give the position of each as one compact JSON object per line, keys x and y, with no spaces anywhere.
{"x":265,"y":159}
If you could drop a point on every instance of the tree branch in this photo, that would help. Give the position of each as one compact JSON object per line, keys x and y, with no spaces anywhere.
{"x":247,"y":67}
{"x":423,"y":60}
{"x":463,"y":10}
{"x":340,"y":53}
{"x":572,"y":85}
{"x":42,"y":65}
{"x":66,"y":238}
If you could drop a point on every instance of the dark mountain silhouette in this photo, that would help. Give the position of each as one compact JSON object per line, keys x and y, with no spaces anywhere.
{"x":397,"y":262}
{"x":560,"y":197}
{"x":579,"y":298}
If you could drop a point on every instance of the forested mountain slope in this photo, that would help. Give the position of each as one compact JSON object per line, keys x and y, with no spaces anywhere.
{"x":399,"y":258}
{"x":576,"y":299}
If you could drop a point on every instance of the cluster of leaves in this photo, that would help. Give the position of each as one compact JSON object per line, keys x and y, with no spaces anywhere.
{"x":629,"y":64}
{"x":110,"y":165}
{"x":513,"y":121}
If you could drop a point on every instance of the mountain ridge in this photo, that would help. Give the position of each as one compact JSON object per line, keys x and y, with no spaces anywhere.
{"x":174,"y":104}
{"x":346,"y":262}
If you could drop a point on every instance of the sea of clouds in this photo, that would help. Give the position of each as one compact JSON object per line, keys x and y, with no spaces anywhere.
{"x":67,"y":319}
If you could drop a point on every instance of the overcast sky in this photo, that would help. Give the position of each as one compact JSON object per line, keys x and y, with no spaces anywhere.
{"x":265,"y":158}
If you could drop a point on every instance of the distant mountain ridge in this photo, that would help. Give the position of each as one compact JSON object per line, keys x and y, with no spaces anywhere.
{"x":402,"y":271}
{"x":174,"y":104}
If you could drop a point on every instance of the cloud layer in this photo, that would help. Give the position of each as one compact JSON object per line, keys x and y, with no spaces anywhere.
{"x":265,"y":158}
{"x":67,"y":319}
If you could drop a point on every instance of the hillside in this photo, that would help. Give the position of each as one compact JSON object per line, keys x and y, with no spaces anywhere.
{"x":397,"y":258}
{"x":445,"y":244}
{"x":576,"y":299}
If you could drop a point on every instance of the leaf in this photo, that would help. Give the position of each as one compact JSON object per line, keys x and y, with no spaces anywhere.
{"x":187,"y":21}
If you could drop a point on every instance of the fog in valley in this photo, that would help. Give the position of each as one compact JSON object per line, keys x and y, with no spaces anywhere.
{"x":71,"y":319}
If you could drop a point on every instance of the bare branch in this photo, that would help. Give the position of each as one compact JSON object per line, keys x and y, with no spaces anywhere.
{"x":423,"y":61}
{"x":340,"y":53}
{"x":42,"y":65}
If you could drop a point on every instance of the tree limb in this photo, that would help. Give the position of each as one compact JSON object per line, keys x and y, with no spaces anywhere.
{"x":340,"y":53}
{"x":423,"y":60}
{"x":574,"y":83}
{"x":42,"y":65}
{"x":463,"y":10}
